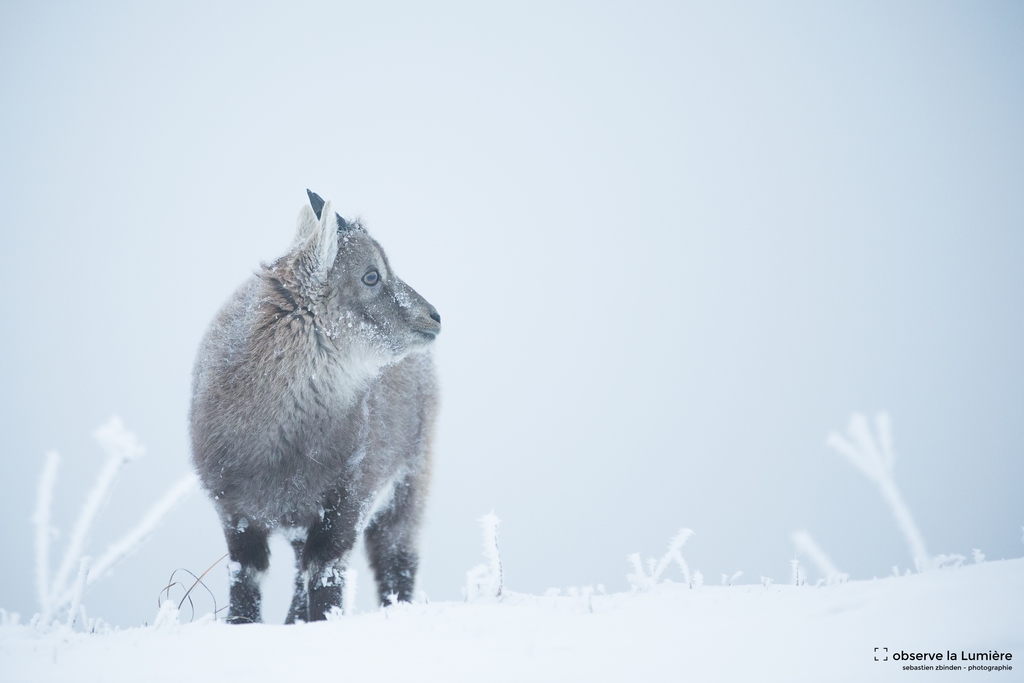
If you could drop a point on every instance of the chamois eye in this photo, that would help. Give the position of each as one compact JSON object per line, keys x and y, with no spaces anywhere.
{"x":371,"y":278}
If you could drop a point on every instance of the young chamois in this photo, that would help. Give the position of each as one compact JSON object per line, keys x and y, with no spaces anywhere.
{"x":313,"y":402}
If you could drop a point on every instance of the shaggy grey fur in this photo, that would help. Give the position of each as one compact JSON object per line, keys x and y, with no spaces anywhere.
{"x":313,"y":402}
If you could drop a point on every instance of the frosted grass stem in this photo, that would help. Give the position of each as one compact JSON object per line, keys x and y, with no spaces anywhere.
{"x":77,"y":590}
{"x":673,"y":553}
{"x":44,"y":532}
{"x":121,"y":446}
{"x":486,"y":580}
{"x":130,"y":542}
{"x":640,"y":579}
{"x":875,"y":461}
{"x":807,"y":546}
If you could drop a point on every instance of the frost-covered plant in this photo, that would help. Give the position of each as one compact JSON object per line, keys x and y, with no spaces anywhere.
{"x":944,"y":561}
{"x":485,"y":580}
{"x":729,"y":580}
{"x":131,"y":541}
{"x":77,"y":590}
{"x":44,"y":531}
{"x":642,"y":580}
{"x":172,"y":583}
{"x":806,"y":545}
{"x":874,"y":458}
{"x":166,"y":616}
{"x":796,"y":574}
{"x":121,"y":447}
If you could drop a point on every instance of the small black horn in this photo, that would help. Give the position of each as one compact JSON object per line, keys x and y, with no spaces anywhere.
{"x":316,"y":202}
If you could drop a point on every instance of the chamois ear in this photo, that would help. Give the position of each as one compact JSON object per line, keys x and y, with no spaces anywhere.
{"x":316,"y":245}
{"x":305,"y":226}
{"x":316,"y":202}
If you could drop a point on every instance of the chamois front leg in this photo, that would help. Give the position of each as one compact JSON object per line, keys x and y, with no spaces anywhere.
{"x":391,"y":542}
{"x":250,"y":558}
{"x":324,"y":560}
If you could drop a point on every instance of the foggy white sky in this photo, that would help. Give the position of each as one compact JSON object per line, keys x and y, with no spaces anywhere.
{"x":674,"y":246}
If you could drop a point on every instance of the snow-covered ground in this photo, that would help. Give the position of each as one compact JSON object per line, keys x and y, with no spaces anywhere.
{"x":837,"y":630}
{"x":749,"y":632}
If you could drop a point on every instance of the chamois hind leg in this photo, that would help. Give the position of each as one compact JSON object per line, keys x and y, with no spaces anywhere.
{"x":325,"y":557}
{"x":250,"y":558}
{"x":391,"y":542}
{"x":299,"y":611}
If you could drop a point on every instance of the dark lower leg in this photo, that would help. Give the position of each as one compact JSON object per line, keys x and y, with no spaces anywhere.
{"x":324,"y":560}
{"x":391,"y":545}
{"x":326,"y":587}
{"x":250,"y":557}
{"x":395,"y":572}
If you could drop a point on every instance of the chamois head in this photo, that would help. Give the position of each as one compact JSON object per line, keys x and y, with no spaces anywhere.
{"x":339,"y":275}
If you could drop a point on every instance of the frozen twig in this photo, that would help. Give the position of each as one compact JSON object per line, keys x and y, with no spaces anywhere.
{"x":133,"y":539}
{"x":729,"y":580}
{"x":806,"y":545}
{"x":673,"y":553}
{"x":644,"y":581}
{"x":77,"y":590}
{"x":121,"y":446}
{"x":130,"y":542}
{"x":486,"y":580}
{"x":796,"y":575}
{"x":166,"y":616}
{"x":943,"y":561}
{"x":875,"y":460}
{"x":117,"y":441}
{"x":44,"y":532}
{"x":638,"y":579}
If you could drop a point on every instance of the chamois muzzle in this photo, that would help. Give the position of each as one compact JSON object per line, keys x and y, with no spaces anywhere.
{"x":430,"y":325}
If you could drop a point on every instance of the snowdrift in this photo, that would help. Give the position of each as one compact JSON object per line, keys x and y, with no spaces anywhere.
{"x":851,"y":631}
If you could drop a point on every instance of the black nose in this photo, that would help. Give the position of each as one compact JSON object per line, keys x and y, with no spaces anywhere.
{"x":434,"y":315}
